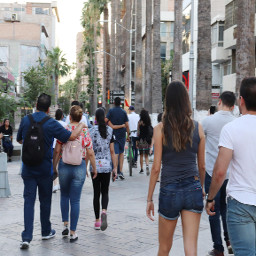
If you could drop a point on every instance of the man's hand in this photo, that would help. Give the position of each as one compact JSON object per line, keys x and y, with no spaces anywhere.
{"x":209,"y":207}
{"x":114,"y":174}
{"x":128,"y":139}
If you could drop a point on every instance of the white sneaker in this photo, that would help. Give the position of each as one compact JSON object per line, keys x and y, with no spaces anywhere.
{"x":24,"y":245}
{"x":55,"y":188}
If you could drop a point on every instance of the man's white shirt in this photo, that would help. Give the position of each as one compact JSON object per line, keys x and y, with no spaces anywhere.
{"x":133,"y":123}
{"x":240,"y":136}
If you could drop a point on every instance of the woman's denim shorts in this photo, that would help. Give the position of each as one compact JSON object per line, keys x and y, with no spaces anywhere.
{"x":185,"y":194}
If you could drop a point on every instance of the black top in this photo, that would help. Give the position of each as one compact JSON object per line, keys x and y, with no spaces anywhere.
{"x":6,"y":132}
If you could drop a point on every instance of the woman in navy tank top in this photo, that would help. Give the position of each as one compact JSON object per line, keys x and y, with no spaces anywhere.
{"x":179,"y":147}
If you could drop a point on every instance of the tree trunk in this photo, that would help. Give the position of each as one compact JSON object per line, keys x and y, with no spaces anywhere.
{"x":148,"y":58}
{"x":128,"y":52}
{"x":95,"y":79}
{"x":113,"y":46}
{"x":118,"y":46}
{"x":56,"y":78}
{"x":245,"y":48}
{"x":177,"y":44}
{"x":106,"y":62}
{"x":138,"y":58}
{"x":204,"y":62}
{"x":157,"y":106}
{"x":90,"y":81}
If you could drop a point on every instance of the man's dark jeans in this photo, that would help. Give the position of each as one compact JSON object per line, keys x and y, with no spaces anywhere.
{"x":44,"y":185}
{"x":134,"y":149}
{"x":221,"y":210}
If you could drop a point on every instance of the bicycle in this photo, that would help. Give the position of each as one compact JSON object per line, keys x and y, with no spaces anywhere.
{"x":130,"y":156}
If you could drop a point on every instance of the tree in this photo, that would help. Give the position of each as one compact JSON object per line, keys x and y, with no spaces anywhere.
{"x":166,"y":67}
{"x":128,"y":16}
{"x":36,"y":84}
{"x":148,"y":58}
{"x":177,"y":44}
{"x":204,"y":62}
{"x":138,"y":57}
{"x":245,"y":48}
{"x":157,"y":105}
{"x":57,"y":66}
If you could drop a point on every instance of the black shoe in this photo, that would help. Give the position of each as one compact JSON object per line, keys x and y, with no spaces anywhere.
{"x":65,"y":231}
{"x":147,"y":170}
{"x":51,"y":235}
{"x":24,"y":245}
{"x":141,"y":171}
{"x":9,"y":160}
{"x":73,"y":238}
{"x":121,"y":176}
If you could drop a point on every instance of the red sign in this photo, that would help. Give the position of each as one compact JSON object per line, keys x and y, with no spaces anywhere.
{"x":215,"y":95}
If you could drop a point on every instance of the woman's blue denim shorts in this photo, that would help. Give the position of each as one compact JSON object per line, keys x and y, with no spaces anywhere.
{"x":185,"y":194}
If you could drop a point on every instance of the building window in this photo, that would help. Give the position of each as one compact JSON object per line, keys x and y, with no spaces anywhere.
{"x":163,"y":51}
{"x":172,"y":29}
{"x":163,"y":29}
{"x":230,"y":14}
{"x":39,"y":10}
{"x":218,"y":33}
{"x":186,"y":17}
{"x":18,"y":9}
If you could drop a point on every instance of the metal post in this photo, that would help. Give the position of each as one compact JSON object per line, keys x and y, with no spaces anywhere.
{"x":191,"y":58}
{"x":130,"y":75}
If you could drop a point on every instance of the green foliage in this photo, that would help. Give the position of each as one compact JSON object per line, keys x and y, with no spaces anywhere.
{"x":36,"y":83}
{"x":64,"y":104}
{"x":8,"y":102}
{"x":166,"y":67}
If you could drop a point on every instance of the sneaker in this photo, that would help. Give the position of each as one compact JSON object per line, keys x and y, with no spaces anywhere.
{"x":65,"y":231}
{"x":97,"y":225}
{"x":73,"y":238}
{"x":121,"y":176}
{"x":141,"y":171}
{"x":230,"y":250}
{"x":9,"y":160}
{"x":134,"y":165}
{"x":215,"y":252}
{"x":55,"y":189}
{"x":104,"y":223}
{"x":51,"y":235}
{"x":24,"y":245}
{"x":147,"y":170}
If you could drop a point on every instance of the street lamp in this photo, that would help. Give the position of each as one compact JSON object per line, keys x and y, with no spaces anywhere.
{"x":130,"y":55}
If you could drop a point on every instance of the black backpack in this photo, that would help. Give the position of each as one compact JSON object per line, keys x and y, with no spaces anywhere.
{"x":33,"y":150}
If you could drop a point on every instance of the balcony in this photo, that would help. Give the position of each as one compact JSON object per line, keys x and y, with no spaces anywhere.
{"x":219,"y":54}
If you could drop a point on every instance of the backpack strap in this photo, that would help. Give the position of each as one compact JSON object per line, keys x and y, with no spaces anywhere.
{"x":31,"y":119}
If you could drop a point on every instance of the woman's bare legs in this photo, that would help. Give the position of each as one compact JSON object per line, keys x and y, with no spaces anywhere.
{"x":166,"y":230}
{"x":190,"y":228}
{"x":141,"y":160}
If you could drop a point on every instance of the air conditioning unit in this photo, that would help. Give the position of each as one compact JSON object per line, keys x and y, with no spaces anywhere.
{"x":14,"y":17}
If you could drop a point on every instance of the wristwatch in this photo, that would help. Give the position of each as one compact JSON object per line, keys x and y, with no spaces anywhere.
{"x":209,"y":200}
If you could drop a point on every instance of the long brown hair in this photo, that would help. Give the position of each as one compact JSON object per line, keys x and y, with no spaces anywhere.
{"x":177,"y":122}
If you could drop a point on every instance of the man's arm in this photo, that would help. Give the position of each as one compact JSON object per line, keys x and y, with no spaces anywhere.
{"x":127,"y":128}
{"x":219,"y":175}
{"x":19,"y":134}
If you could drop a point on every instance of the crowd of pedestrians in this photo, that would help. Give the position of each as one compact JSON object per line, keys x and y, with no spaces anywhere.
{"x":214,"y":161}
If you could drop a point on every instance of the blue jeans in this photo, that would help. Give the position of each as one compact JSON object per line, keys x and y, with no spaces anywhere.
{"x":134,"y":149}
{"x":221,"y":209}
{"x":185,"y":194}
{"x":241,"y":220}
{"x":44,"y":185}
{"x":71,"y":178}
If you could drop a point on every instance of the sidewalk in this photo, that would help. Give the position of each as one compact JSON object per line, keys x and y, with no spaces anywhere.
{"x":129,"y":231}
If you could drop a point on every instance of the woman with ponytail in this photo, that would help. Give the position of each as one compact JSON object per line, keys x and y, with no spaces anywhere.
{"x":103,"y":146}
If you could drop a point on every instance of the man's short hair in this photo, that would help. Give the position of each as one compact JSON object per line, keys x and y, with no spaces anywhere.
{"x":81,"y":105}
{"x":228,"y":98}
{"x":117,"y":101}
{"x":75,"y":103}
{"x":43,"y":102}
{"x":248,"y":92}
{"x":58,"y":114}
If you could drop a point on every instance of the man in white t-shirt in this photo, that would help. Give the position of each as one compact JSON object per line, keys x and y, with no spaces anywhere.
{"x":212,"y":126}
{"x":133,"y":126}
{"x":237,"y":152}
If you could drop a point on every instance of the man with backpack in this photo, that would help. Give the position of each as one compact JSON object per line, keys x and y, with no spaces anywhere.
{"x":36,"y":133}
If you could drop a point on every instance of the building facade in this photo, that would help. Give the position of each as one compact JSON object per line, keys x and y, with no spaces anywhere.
{"x":27,"y":30}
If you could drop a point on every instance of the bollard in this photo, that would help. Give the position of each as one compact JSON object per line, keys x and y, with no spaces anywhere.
{"x":4,"y":182}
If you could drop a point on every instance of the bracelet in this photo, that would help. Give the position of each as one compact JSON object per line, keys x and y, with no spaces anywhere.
{"x":209,"y":200}
{"x":149,"y":201}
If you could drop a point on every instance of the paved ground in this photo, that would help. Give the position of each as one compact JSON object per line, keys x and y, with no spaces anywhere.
{"x":129,"y":231}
